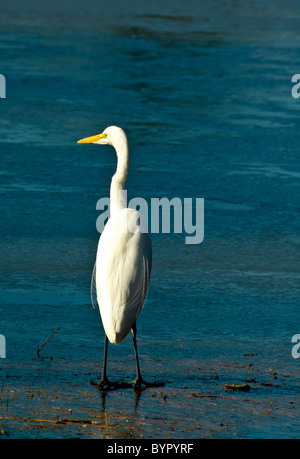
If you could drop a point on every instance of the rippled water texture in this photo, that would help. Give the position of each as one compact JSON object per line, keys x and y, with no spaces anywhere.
{"x":204,"y":94}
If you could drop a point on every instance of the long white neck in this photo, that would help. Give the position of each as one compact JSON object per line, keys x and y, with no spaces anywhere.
{"x":119,"y":179}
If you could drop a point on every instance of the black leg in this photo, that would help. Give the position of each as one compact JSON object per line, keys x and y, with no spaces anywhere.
{"x":138,"y":371}
{"x":104,"y":378}
{"x":139,"y":381}
{"x":105,"y":383}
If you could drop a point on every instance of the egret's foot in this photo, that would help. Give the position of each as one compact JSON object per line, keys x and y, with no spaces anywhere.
{"x":139,"y":383}
{"x":105,"y":384}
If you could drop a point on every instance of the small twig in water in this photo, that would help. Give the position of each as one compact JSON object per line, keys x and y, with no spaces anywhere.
{"x":55,"y":331}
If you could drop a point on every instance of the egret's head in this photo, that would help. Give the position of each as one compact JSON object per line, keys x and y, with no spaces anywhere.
{"x":112,"y":135}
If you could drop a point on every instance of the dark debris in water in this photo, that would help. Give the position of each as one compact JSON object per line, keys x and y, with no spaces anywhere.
{"x":242,"y":387}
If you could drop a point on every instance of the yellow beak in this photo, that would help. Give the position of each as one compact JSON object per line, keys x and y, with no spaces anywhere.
{"x":93,"y":138}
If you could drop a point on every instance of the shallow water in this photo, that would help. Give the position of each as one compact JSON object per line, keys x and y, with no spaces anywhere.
{"x":205,"y":98}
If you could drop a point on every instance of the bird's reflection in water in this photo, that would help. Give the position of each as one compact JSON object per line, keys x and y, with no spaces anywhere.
{"x":137,"y":394}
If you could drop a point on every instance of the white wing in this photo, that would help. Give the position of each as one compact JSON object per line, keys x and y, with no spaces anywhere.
{"x":123,"y":267}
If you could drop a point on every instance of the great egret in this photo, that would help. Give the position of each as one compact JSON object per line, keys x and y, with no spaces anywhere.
{"x":123,"y":262}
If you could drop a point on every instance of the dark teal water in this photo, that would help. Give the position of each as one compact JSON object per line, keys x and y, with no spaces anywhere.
{"x":204,"y":94}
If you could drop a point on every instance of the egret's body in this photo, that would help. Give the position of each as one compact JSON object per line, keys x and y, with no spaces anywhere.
{"x":123,"y":262}
{"x":123,"y":267}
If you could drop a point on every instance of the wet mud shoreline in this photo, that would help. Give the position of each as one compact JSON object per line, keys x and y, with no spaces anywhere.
{"x":213,"y":399}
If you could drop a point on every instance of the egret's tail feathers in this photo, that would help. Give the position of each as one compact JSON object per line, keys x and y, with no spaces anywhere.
{"x":93,"y":286}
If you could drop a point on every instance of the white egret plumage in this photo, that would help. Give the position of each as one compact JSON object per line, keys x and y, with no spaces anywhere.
{"x":123,"y":261}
